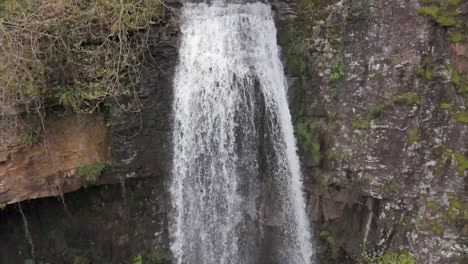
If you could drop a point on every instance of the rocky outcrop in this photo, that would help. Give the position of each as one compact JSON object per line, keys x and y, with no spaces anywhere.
{"x":50,"y":151}
{"x":48,"y":168}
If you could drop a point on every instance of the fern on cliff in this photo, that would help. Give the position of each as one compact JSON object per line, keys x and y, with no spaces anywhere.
{"x":90,"y":173}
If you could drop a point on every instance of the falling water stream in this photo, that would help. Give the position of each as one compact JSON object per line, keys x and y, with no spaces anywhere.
{"x":236,"y":182}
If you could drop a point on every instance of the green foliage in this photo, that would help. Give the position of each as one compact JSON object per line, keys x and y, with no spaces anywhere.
{"x":376,"y":111}
{"x":333,"y":244}
{"x":159,"y":256}
{"x":410,"y":98}
{"x":295,"y":47}
{"x":361,"y":123}
{"x":461,"y":81}
{"x":420,"y":72}
{"x":297,"y":54}
{"x":433,"y":205}
{"x":445,"y":106}
{"x":307,"y":138}
{"x":414,"y":136}
{"x":325,"y":233}
{"x":431,"y":11}
{"x":460,"y":158}
{"x":69,"y":97}
{"x":455,"y":77}
{"x":138,"y":259}
{"x":456,"y":36}
{"x":461,"y":116}
{"x":428,"y":74}
{"x":462,"y":162}
{"x":30,"y":135}
{"x":90,"y":173}
{"x":388,"y":258}
{"x":391,"y":187}
{"x":443,"y":13}
{"x":296,"y":51}
{"x":323,"y":177}
{"x":446,"y":21}
{"x":316,"y":150}
{"x":74,"y":52}
{"x":310,"y":7}
{"x":338,"y":71}
{"x":80,"y":260}
{"x":458,"y":210}
{"x":454,"y":2}
{"x":438,"y":229}
{"x":359,"y":12}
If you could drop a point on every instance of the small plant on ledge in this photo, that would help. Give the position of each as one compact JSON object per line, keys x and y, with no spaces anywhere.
{"x":30,"y":136}
{"x":90,"y":173}
{"x":387,"y":258}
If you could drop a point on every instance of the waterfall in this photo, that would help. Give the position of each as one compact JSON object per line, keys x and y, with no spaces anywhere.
{"x":236,"y":183}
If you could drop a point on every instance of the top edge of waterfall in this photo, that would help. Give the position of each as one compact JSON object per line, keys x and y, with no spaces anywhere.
{"x":225,"y":2}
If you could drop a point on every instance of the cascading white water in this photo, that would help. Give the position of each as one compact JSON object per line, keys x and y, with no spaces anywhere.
{"x":233,"y":133}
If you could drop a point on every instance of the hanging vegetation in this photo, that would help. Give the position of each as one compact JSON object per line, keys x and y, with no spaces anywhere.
{"x":70,"y":52}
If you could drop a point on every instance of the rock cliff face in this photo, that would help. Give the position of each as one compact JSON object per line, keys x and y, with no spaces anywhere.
{"x":379,"y":110}
{"x":48,"y":168}
{"x":378,"y":93}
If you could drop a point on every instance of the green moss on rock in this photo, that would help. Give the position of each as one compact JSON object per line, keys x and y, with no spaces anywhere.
{"x":431,"y":11}
{"x":462,"y":162}
{"x":361,"y":123}
{"x":390,"y":257}
{"x":456,"y":36}
{"x":359,"y":12}
{"x":454,"y":2}
{"x":433,"y":205}
{"x":438,"y":229}
{"x":457,"y":209}
{"x":461,"y":116}
{"x":445,"y":106}
{"x":443,"y":13}
{"x":410,"y":98}
{"x":376,"y":111}
{"x":446,"y":21}
{"x":414,"y":136}
{"x":338,"y":72}
{"x":391,"y":187}
{"x":308,"y":137}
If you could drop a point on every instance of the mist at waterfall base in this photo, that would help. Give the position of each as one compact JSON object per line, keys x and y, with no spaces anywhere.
{"x":236,"y":184}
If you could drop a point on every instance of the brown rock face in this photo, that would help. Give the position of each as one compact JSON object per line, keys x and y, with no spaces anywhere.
{"x":47,"y":168}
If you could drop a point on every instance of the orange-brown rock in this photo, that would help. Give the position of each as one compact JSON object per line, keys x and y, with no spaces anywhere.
{"x":47,"y":168}
{"x":459,"y":56}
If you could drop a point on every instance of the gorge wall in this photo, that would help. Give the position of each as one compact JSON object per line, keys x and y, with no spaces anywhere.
{"x":379,"y":103}
{"x":378,"y":95}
